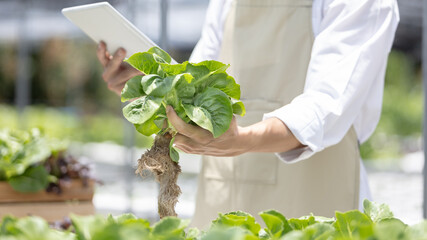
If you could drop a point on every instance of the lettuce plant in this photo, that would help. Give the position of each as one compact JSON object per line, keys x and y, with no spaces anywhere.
{"x":31,"y":162}
{"x":22,"y":155}
{"x":375,"y":223}
{"x":202,"y":94}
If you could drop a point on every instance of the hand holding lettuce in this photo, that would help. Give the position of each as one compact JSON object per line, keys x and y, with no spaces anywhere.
{"x":202,"y":94}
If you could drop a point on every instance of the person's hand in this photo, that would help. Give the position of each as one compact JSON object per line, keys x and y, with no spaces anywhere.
{"x":270,"y":135}
{"x":196,"y":140}
{"x":116,"y":72}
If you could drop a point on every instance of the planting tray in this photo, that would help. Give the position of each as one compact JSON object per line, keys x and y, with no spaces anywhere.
{"x":72,"y":191}
{"x":75,"y":198}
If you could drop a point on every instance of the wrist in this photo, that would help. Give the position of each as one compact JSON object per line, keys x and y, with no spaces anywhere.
{"x":245,"y":141}
{"x":270,"y":135}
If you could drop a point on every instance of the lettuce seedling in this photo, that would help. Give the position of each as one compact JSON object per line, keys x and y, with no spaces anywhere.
{"x":22,"y":155}
{"x":202,"y":94}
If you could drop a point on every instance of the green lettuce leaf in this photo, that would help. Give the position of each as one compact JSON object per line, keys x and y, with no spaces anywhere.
{"x":31,"y":228}
{"x":34,"y":179}
{"x":156,"y":86}
{"x":229,"y":233}
{"x":144,"y":62}
{"x":192,"y":234}
{"x":375,"y":211}
{"x":129,"y":230}
{"x":239,"y":108}
{"x":173,"y":69}
{"x":212,"y":111}
{"x":353,"y":224}
{"x":301,"y":223}
{"x":149,"y":127}
{"x":21,"y":150}
{"x":417,"y":231}
{"x":237,"y":219}
{"x":213,"y":66}
{"x":133,"y":89}
{"x":317,"y":231}
{"x":170,"y":228}
{"x":223,"y":82}
{"x":22,"y":155}
{"x":160,"y":55}
{"x":122,"y":218}
{"x":391,"y":229}
{"x":142,"y":109}
{"x":87,"y":226}
{"x":277,"y":224}
{"x":173,"y":153}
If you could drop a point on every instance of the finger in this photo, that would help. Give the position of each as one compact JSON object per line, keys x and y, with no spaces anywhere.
{"x":128,"y":73}
{"x":184,"y":149}
{"x":190,"y":150}
{"x":189,"y":145}
{"x":101,"y":53}
{"x":179,"y":124}
{"x":114,"y":64}
{"x":182,"y":140}
{"x":179,"y":143}
{"x":118,"y":82}
{"x":117,"y":88}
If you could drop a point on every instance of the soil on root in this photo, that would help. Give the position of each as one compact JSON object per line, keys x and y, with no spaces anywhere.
{"x":166,"y":171}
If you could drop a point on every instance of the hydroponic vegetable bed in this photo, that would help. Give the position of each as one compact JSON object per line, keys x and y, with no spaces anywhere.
{"x":375,"y":223}
{"x":38,"y":177}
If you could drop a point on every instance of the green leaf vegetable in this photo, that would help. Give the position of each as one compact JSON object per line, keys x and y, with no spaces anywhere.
{"x":33,"y":179}
{"x":22,"y":154}
{"x":351,"y":225}
{"x":202,"y":94}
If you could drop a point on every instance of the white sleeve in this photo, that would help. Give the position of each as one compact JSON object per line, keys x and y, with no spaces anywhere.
{"x":209,"y":45}
{"x":347,"y":67}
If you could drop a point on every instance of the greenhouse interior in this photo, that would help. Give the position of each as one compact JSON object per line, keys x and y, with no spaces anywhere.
{"x":81,"y":157}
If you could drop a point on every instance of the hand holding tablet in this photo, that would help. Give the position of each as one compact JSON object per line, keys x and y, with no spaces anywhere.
{"x":102,"y":22}
{"x":107,"y":27}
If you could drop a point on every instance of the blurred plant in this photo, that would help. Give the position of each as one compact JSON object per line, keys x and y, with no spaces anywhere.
{"x":7,"y":72}
{"x":399,"y":129}
{"x":375,"y":223}
{"x":62,"y":73}
{"x":21,"y":157}
{"x":62,"y":124}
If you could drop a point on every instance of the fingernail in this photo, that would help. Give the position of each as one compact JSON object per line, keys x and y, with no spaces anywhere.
{"x":168,"y":109}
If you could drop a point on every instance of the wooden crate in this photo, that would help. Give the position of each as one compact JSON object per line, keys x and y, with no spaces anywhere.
{"x":75,"y":198}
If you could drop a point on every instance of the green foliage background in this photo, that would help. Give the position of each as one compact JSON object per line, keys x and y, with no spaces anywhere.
{"x":60,"y":124}
{"x":399,"y":130}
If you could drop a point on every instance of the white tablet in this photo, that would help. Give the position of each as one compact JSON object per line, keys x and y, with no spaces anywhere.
{"x":100,"y":21}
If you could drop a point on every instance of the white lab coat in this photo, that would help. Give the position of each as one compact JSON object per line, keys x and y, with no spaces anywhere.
{"x":345,"y":77}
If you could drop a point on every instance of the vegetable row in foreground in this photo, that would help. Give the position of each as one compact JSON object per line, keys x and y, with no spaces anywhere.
{"x":376,"y":223}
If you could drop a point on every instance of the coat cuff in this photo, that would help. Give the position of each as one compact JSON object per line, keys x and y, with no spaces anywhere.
{"x":304,"y":125}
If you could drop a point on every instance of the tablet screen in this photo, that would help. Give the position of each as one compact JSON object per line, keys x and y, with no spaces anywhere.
{"x":100,"y":21}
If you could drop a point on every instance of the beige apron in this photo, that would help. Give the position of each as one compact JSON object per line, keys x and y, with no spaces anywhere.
{"x":268,"y":44}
